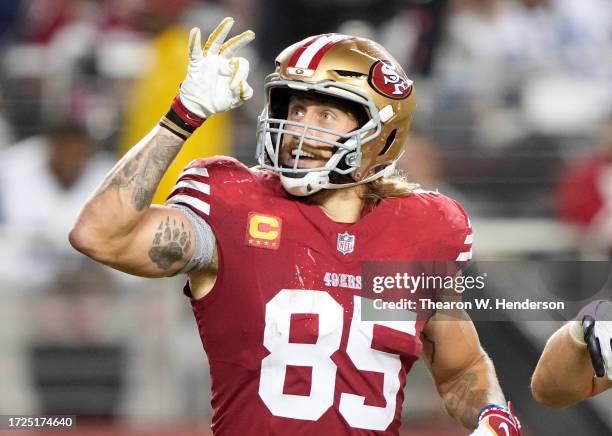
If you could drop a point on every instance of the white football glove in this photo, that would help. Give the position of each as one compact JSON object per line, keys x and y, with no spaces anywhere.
{"x":594,"y":329}
{"x":216,"y":80}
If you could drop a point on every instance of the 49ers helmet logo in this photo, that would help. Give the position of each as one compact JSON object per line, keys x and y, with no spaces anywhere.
{"x":389,"y":81}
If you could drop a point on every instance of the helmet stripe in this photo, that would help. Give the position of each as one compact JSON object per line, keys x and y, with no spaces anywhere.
{"x":296,"y":55}
{"x":334,"y":39}
{"x":313,"y":52}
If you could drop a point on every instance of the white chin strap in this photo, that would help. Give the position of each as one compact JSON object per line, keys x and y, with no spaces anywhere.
{"x":307,"y":185}
{"x":316,"y":180}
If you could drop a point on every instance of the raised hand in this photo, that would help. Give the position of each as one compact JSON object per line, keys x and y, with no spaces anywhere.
{"x":216,"y":79}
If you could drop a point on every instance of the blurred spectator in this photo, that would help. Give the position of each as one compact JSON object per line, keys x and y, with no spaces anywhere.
{"x":44,"y":181}
{"x":584,"y":196}
{"x":146,"y":16}
{"x":44,"y":18}
{"x":283,"y":22}
{"x":10,"y":13}
{"x":483,"y":37}
{"x":413,"y":35}
{"x":572,"y":35}
{"x":499,"y":52}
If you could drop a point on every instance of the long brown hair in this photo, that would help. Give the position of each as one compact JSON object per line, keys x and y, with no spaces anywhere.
{"x":395,"y":186}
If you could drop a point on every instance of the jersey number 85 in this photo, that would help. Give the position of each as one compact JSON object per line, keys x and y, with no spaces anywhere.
{"x":318,"y":357}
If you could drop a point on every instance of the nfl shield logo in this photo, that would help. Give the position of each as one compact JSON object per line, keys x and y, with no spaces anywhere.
{"x":346,"y":243}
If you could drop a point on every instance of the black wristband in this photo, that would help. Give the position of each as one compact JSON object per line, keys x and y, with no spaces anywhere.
{"x":173,"y":122}
{"x":181,"y":121}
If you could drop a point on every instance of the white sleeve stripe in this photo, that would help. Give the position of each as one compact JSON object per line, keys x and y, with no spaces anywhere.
{"x":196,"y":203}
{"x":465,"y":255}
{"x":468,"y":239}
{"x":193,"y":184}
{"x":195,"y":171}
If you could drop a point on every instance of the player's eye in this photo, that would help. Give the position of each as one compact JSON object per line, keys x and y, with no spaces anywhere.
{"x":328,"y":116}
{"x":296,"y":113}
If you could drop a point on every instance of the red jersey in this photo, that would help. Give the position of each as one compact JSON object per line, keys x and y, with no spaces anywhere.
{"x":282,"y":329}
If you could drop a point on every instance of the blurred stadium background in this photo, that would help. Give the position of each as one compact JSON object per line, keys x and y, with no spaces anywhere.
{"x":513,"y":120}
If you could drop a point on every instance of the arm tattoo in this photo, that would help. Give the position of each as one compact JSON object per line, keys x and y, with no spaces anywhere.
{"x":465,"y":399}
{"x":170,"y":244}
{"x":141,"y":170}
{"x":469,"y":393}
{"x":156,"y":164}
{"x":122,"y":176}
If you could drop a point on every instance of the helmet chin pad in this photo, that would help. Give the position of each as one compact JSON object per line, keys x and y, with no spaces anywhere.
{"x":308,"y":184}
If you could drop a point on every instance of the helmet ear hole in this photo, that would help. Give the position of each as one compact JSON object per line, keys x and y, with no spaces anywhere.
{"x":278,"y":102}
{"x":388,"y":143}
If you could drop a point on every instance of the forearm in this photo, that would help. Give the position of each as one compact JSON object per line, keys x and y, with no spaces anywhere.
{"x":128,"y":189}
{"x":466,"y":394}
{"x":564,"y":373}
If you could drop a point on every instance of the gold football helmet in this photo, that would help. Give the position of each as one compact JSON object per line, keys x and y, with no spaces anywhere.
{"x":357,"y":71}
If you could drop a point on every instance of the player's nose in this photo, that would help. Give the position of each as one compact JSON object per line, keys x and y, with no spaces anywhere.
{"x":312,"y":121}
{"x":309,"y":117}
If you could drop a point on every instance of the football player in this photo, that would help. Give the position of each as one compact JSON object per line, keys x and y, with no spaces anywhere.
{"x":273,"y":253}
{"x":577,"y":360}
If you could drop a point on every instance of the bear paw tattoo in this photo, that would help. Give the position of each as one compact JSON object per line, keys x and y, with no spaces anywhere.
{"x":170,"y":243}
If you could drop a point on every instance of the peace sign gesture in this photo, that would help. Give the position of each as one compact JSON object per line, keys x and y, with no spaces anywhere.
{"x":216,"y":80}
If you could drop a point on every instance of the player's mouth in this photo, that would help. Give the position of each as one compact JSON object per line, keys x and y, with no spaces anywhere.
{"x":306,"y":159}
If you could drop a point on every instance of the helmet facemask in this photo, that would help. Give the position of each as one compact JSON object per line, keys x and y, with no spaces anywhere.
{"x":346,"y":155}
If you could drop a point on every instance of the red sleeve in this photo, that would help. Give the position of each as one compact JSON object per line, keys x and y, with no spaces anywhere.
{"x":453,"y":229}
{"x":461,"y":235}
{"x":204,"y":186}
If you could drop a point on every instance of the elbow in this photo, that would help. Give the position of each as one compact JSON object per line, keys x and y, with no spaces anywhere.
{"x":86,"y":240}
{"x":97,"y":239}
{"x":555,"y":399}
{"x":542,"y":397}
{"x":96,"y":244}
{"x":81,"y":239}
